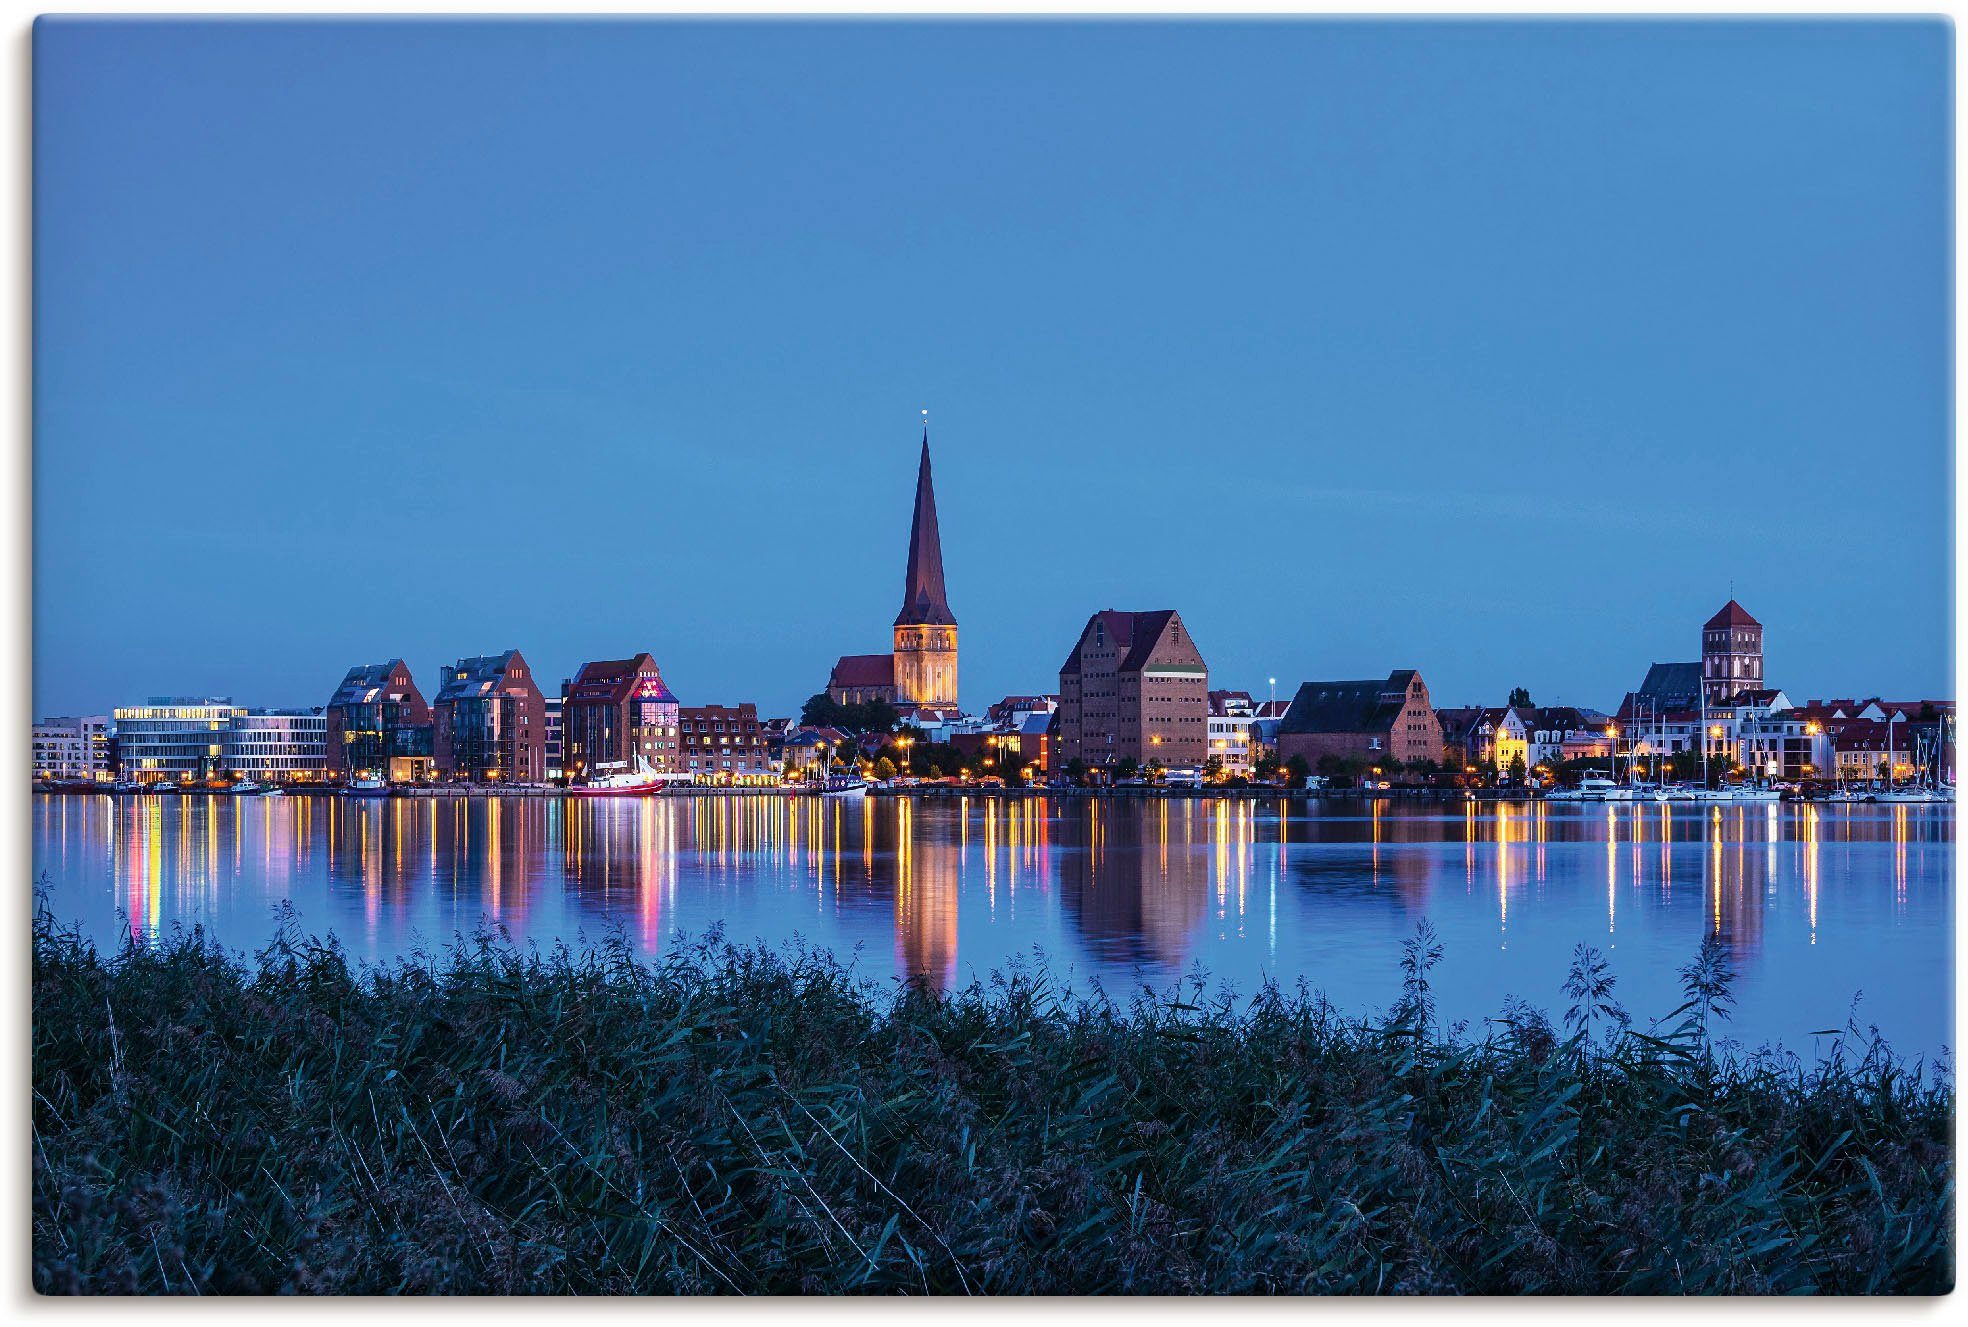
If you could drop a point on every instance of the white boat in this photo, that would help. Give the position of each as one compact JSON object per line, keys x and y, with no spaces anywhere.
{"x":366,"y":785}
{"x":844,"y":786}
{"x":1718,"y":796}
{"x":275,"y":791}
{"x":247,"y":788}
{"x":1597,"y":788}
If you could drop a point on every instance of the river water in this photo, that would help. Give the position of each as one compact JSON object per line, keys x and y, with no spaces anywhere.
{"x":1817,"y":904}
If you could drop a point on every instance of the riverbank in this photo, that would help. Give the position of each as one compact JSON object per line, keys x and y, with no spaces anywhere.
{"x":737,"y":1121}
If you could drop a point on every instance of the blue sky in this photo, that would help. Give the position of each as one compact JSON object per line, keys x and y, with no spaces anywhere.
{"x":1500,"y":351}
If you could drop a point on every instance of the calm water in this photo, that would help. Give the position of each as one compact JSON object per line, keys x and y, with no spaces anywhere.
{"x":1816,"y":903}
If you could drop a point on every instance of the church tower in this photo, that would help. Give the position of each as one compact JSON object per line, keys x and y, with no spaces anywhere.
{"x":925,"y":629}
{"x":1732,"y":654}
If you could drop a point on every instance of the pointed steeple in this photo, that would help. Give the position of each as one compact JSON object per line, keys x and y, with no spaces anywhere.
{"x":923,"y":599}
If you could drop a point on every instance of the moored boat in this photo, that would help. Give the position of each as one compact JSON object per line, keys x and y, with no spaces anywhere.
{"x":622,"y":779}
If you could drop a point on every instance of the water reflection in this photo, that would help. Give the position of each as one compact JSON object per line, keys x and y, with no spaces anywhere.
{"x":944,"y":891}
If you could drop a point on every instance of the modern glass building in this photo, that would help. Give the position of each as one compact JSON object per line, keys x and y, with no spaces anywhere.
{"x":278,"y":746}
{"x":174,"y":739}
{"x":378,"y":724}
{"x":489,"y":722}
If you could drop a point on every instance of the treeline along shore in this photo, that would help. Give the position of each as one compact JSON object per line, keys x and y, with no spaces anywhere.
{"x":737,"y":1121}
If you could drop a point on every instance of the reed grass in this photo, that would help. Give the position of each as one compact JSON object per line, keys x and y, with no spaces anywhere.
{"x":732,"y":1120}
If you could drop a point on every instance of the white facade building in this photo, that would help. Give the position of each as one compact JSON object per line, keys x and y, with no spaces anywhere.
{"x":70,"y":749}
{"x":1230,"y":742}
{"x":277,"y":746}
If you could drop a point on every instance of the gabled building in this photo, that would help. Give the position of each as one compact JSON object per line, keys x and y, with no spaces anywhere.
{"x":613,"y":711}
{"x":1732,"y":653}
{"x":1134,"y":688}
{"x":1566,"y":732}
{"x":860,"y":678}
{"x":1362,"y":719}
{"x":490,"y":722}
{"x":377,"y":723}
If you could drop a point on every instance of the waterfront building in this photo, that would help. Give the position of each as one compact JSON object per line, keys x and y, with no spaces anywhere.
{"x":1369,"y":720}
{"x":1231,"y":714}
{"x":1558,"y":733}
{"x":1033,"y":740}
{"x":1134,"y":688}
{"x":378,"y":724}
{"x":1786,"y":744}
{"x":1459,"y":741}
{"x":724,"y":744}
{"x":73,"y":749}
{"x":615,"y":711}
{"x":556,"y":744}
{"x":173,"y":739}
{"x":921,"y":674}
{"x":1732,"y":653}
{"x":489,"y":723}
{"x":277,"y":746}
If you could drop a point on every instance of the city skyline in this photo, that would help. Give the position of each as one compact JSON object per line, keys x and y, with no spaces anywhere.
{"x":510,"y":351}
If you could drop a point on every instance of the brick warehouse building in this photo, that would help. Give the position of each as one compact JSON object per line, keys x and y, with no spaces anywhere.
{"x":490,"y":722}
{"x":1135,"y":687}
{"x":379,"y":723}
{"x":1364,"y":719}
{"x":615,"y":710}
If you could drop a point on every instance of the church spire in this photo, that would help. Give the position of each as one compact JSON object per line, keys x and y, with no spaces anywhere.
{"x":923,"y":600}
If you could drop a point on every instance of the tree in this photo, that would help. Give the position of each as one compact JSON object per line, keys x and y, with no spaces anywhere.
{"x":1299,"y":770}
{"x":1267,"y":766}
{"x":884,"y":768}
{"x":1516,"y":769}
{"x":1213,"y":768}
{"x":1519,"y":696}
{"x":1341,"y":769}
{"x":868,"y":716}
{"x":1126,"y":768}
{"x":1076,"y":771}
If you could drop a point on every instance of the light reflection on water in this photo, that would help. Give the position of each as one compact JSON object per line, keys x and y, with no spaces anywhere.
{"x":1816,"y":903}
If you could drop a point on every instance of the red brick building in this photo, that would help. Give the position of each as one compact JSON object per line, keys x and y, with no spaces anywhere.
{"x":1364,"y":719}
{"x":1134,"y":688}
{"x":490,"y":722}
{"x":615,"y":710}
{"x":724,"y":744}
{"x":379,"y":724}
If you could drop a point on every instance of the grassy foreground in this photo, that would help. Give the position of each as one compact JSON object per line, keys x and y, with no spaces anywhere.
{"x":737,"y":1121}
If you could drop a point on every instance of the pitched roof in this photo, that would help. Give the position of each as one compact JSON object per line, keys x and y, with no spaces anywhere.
{"x":364,"y":678}
{"x":862,"y":670}
{"x":923,"y":597}
{"x":613,"y":681}
{"x":1136,"y":633}
{"x":1346,"y":707}
{"x":1671,"y":683}
{"x":477,"y":676}
{"x":1732,"y":614}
